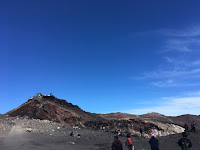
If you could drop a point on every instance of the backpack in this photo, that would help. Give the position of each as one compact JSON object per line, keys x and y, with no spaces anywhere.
{"x":185,"y":145}
{"x":129,"y":141}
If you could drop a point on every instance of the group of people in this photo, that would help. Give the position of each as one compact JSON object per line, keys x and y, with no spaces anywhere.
{"x":184,"y":143}
{"x":117,"y":144}
{"x":192,"y":127}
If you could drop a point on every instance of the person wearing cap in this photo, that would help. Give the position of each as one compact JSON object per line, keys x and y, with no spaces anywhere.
{"x":154,"y":143}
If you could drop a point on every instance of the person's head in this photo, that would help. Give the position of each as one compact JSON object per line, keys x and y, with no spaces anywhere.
{"x":116,"y":137}
{"x":128,"y":136}
{"x":152,"y":135}
{"x":184,"y":134}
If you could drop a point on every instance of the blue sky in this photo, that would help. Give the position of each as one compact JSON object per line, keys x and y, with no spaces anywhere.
{"x":104,"y":56}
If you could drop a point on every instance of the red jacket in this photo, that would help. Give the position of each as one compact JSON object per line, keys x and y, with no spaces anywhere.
{"x":129,"y":142}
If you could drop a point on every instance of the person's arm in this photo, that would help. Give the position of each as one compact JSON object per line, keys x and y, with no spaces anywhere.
{"x":126,"y":143}
{"x":179,"y":142}
{"x":113,"y":146}
{"x":150,"y":141}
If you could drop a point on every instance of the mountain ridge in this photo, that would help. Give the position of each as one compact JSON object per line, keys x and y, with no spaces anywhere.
{"x":49,"y":107}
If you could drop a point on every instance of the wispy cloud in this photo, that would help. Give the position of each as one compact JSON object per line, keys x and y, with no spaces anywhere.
{"x":173,"y":78}
{"x":172,"y":73}
{"x":189,"y":32}
{"x":181,"y":44}
{"x":193,"y":93}
{"x":173,"y":106}
{"x":167,"y":83}
{"x":181,"y":40}
{"x":182,"y":62}
{"x":180,"y":67}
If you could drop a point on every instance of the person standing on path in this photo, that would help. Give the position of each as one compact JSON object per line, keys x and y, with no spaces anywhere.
{"x":117,"y":144}
{"x":129,"y":143}
{"x":154,"y":143}
{"x":141,"y":132}
{"x":184,"y":142}
{"x":186,"y":127}
{"x":193,"y":126}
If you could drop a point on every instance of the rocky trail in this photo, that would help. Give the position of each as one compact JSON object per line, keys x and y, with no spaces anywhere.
{"x":16,"y":139}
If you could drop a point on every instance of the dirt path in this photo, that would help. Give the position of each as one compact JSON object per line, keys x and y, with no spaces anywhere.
{"x":16,"y":139}
{"x":19,"y":139}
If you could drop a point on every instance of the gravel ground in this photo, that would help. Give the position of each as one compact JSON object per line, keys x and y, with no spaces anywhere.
{"x":29,"y":134}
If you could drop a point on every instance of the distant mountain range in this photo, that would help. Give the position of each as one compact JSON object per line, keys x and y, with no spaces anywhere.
{"x":48,"y":107}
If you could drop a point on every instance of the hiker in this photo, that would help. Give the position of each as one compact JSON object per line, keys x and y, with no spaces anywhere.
{"x":129,"y":143}
{"x":117,"y":144}
{"x":184,"y":142}
{"x":186,"y":127}
{"x":78,"y":136}
{"x":119,"y":132}
{"x":72,"y":133}
{"x":154,"y":142}
{"x":193,"y":126}
{"x":141,"y":132}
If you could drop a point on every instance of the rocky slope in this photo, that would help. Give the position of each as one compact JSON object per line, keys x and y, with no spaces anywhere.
{"x":179,"y":120}
{"x":51,"y":108}
{"x":150,"y":123}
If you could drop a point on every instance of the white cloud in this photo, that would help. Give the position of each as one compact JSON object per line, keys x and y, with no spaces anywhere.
{"x":189,"y":32}
{"x":181,"y":44}
{"x":182,"y":62}
{"x":167,"y":83}
{"x":181,"y":68}
{"x":173,"y":106}
{"x":185,"y":40}
{"x":194,"y":93}
{"x":196,"y":63}
{"x":182,"y":65}
{"x":177,"y":45}
{"x":173,"y":78}
{"x":172,"y":73}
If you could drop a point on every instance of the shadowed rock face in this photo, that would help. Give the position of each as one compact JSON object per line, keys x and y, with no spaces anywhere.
{"x":48,"y":107}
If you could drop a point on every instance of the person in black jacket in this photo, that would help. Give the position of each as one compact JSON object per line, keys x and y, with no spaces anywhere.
{"x":186,"y":127}
{"x":141,"y":132}
{"x":154,"y":143}
{"x":184,"y":142}
{"x":193,"y":126}
{"x":117,"y":144}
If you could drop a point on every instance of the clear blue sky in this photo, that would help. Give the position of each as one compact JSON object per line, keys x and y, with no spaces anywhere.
{"x":102,"y":55}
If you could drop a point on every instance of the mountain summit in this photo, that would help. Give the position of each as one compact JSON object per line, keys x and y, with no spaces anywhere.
{"x":51,"y":108}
